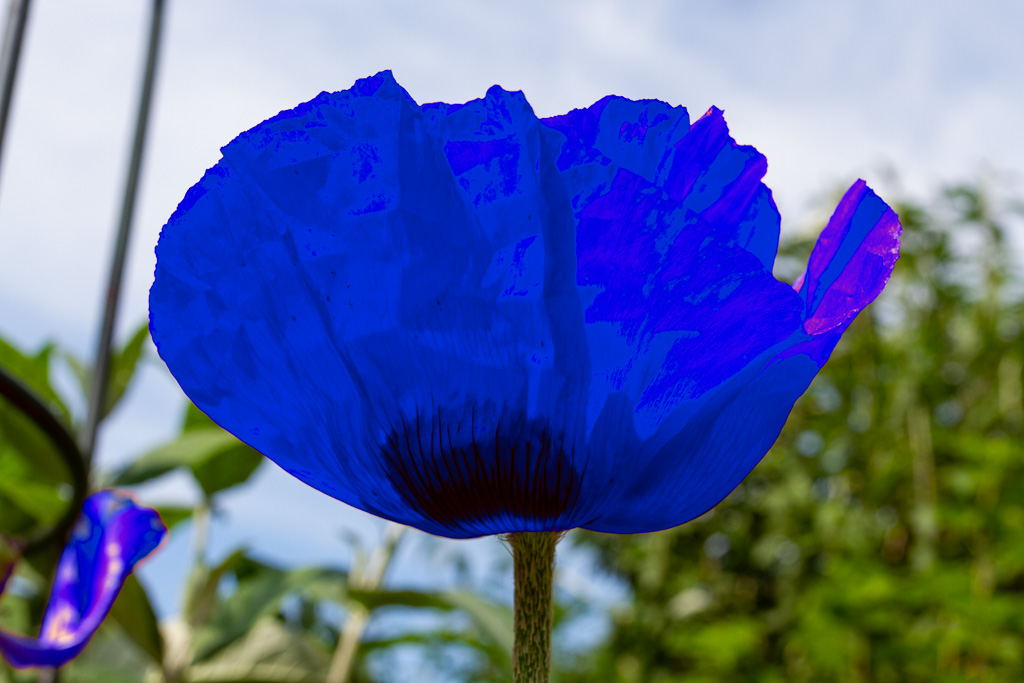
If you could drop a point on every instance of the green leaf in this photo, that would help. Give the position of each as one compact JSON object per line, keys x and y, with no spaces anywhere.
{"x":15,"y":614}
{"x":321,"y":583}
{"x":493,"y":620}
{"x":9,"y":553}
{"x":259,"y":593}
{"x":233,"y":618}
{"x":31,"y":469}
{"x":227,"y":468}
{"x":201,"y":592}
{"x":79,"y":370}
{"x":20,"y":438}
{"x":38,"y":499}
{"x":112,"y":656}
{"x":34,"y":372}
{"x":120,"y":372}
{"x":30,"y":487}
{"x":268,"y":653}
{"x":432,"y":639}
{"x":173,"y":515}
{"x":122,"y":368}
{"x":186,"y":451}
{"x":196,"y":419}
{"x":134,"y":613}
{"x":215,"y":458}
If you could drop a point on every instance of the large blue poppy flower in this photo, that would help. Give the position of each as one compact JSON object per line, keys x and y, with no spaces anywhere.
{"x":472,"y":321}
{"x":111,"y":536}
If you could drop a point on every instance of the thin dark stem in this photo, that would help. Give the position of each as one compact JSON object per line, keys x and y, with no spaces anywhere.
{"x":98,"y":388}
{"x":17,"y":17}
{"x":32,"y":407}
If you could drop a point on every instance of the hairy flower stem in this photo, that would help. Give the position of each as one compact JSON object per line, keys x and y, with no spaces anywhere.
{"x":533,"y":556}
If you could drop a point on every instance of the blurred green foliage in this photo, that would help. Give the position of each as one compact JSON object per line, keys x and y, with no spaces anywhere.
{"x":882,"y":538}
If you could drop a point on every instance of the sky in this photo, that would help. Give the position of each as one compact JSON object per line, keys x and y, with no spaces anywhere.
{"x":828,"y":91}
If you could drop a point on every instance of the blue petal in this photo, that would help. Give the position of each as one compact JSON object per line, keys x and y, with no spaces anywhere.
{"x":110,"y":537}
{"x":615,"y":133}
{"x":851,"y":262}
{"x":713,"y":176}
{"x":699,"y":464}
{"x":673,"y":307}
{"x":360,"y":276}
{"x":701,"y":167}
{"x":675,"y":244}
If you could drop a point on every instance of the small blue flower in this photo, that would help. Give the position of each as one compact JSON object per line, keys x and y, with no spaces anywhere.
{"x":111,"y":536}
{"x":472,"y":321}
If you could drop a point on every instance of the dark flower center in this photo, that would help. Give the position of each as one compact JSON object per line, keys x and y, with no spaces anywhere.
{"x":483,"y":471}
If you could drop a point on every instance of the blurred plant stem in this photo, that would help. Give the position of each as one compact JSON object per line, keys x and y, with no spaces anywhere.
{"x":924,"y":517}
{"x":98,"y":389}
{"x":364,"y":576}
{"x":17,"y":17}
{"x":179,"y":657}
{"x":200,"y":532}
{"x":533,"y":556}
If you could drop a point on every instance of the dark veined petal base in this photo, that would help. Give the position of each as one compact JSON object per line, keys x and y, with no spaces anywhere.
{"x":481,"y":469}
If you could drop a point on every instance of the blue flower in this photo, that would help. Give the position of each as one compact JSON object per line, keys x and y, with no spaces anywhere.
{"x":471,"y":321}
{"x":111,"y":536}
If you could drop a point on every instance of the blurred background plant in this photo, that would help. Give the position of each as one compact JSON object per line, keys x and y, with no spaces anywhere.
{"x":882,"y":539}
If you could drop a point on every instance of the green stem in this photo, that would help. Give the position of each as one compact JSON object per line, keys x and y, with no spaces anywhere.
{"x":533,"y":556}
{"x":367,"y":577}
